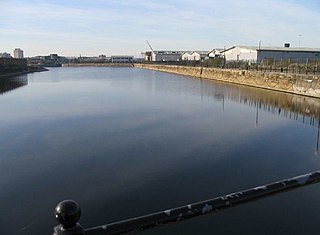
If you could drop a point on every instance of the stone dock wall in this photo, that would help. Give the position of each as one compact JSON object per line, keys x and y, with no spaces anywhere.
{"x":307,"y":85}
{"x":98,"y":65}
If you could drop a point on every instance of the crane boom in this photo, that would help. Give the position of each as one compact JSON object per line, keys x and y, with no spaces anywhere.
{"x":149,"y":45}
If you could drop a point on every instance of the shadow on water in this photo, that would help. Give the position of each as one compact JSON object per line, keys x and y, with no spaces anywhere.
{"x":10,"y":84}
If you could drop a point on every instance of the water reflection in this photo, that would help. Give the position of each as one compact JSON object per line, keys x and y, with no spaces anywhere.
{"x":298,"y":108}
{"x":9,"y":84}
{"x":114,"y":139}
{"x":317,"y":149}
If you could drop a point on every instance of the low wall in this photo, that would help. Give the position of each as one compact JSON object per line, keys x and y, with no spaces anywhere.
{"x":98,"y":65}
{"x":307,"y":85}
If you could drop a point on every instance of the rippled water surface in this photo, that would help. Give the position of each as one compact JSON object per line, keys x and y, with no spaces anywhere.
{"x":124,"y":142}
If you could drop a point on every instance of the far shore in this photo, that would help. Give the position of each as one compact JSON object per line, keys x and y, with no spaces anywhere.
{"x":98,"y":65}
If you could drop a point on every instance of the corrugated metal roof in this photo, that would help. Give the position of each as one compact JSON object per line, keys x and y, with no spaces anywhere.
{"x":244,"y":47}
{"x":169,"y":52}
{"x":296,"y":49}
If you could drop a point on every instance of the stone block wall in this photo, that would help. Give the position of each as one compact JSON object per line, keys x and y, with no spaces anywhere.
{"x":306,"y":85}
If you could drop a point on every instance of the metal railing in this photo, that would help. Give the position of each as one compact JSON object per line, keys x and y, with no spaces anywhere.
{"x":68,"y":212}
{"x":292,"y":67}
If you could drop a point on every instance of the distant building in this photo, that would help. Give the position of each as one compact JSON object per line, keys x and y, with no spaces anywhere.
{"x":240,"y":53}
{"x":158,"y":56}
{"x":199,"y":55}
{"x":286,"y":53}
{"x":102,"y":57}
{"x":293,"y":54}
{"x":215,"y":53}
{"x":52,"y":60}
{"x":5,"y":55}
{"x":194,"y":55}
{"x":186,"y":56}
{"x":121,"y":59}
{"x":18,"y":53}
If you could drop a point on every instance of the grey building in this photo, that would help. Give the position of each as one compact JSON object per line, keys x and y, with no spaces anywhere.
{"x":163,"y":55}
{"x":294,"y":54}
{"x":121,"y":59}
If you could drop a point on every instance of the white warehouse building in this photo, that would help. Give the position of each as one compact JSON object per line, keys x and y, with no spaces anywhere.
{"x":163,"y":55}
{"x":240,"y":53}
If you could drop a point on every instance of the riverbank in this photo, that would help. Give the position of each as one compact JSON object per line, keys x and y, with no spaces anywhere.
{"x":307,"y":85}
{"x":30,"y":70}
{"x":99,"y":65}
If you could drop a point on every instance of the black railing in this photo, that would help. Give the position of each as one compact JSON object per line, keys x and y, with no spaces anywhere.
{"x":68,"y":212}
{"x":310,"y":68}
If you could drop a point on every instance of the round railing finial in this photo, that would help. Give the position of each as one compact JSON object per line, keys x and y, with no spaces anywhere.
{"x":68,"y":213}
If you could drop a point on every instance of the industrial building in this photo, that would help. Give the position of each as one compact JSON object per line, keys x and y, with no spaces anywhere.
{"x":286,"y":53}
{"x":121,"y":59}
{"x":159,"y":56}
{"x":215,"y":53}
{"x":293,"y":54}
{"x":240,"y":53}
{"x":162,"y":56}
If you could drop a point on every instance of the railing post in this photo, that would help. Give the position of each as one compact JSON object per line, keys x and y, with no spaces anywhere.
{"x":68,"y":213}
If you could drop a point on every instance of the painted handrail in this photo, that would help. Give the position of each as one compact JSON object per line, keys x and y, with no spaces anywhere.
{"x":68,"y":212}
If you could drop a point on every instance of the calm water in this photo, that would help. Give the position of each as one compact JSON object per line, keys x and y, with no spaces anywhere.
{"x":124,"y":142}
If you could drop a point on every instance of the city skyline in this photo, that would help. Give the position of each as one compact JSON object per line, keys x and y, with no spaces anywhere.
{"x":110,"y":27}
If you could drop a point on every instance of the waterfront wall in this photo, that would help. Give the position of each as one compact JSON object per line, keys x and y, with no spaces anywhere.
{"x":307,"y":85}
{"x":98,"y":65}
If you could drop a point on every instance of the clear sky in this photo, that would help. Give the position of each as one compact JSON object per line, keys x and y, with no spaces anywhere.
{"x":111,"y":27}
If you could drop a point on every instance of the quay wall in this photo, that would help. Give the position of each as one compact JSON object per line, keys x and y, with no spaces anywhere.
{"x":307,"y":85}
{"x":98,"y":65}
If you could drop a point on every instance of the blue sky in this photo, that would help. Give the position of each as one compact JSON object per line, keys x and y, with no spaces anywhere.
{"x":93,"y":27}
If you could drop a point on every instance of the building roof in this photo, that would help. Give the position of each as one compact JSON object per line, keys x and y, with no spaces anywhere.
{"x":215,"y":50}
{"x":293,"y":49}
{"x":121,"y":56}
{"x":170,"y":52}
{"x":244,"y":47}
{"x":201,"y":52}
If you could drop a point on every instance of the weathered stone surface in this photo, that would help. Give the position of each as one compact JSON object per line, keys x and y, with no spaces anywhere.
{"x":307,"y":85}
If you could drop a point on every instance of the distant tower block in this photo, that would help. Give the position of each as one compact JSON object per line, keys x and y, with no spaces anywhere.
{"x":18,"y":53}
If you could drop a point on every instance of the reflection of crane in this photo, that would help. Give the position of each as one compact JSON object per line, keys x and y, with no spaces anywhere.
{"x":150,"y":46}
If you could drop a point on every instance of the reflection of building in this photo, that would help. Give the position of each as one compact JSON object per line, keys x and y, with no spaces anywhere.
{"x":121,"y":59}
{"x":295,"y":107}
{"x":18,"y":53}
{"x":9,"y":84}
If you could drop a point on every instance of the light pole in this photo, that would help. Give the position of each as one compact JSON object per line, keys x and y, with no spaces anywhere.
{"x":300,"y":39}
{"x":258,"y":53}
